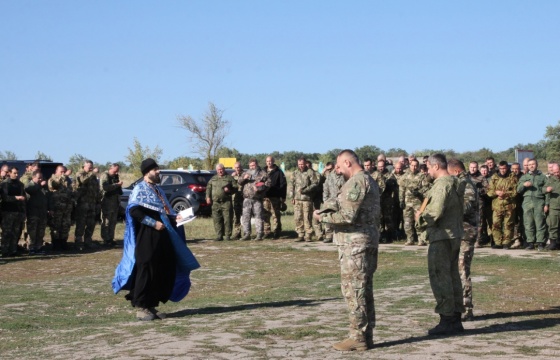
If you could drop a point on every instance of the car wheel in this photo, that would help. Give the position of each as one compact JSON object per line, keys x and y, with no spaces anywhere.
{"x":181,"y":205}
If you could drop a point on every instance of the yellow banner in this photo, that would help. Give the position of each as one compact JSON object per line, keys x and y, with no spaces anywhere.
{"x":227,"y":162}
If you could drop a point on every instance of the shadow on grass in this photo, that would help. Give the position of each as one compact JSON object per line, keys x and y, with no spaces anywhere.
{"x":226,"y":309}
{"x":510,"y":326}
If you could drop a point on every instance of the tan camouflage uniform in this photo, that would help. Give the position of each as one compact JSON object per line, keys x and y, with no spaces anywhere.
{"x":301,"y":188}
{"x":62,"y":203}
{"x":110,"y":203}
{"x":253,"y":200}
{"x":86,"y":187}
{"x":357,"y":237}
{"x":503,"y":209}
{"x":411,"y":194}
{"x":331,"y":189}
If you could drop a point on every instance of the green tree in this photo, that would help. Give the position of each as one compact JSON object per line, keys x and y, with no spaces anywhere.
{"x":552,"y":138}
{"x":367,"y":151}
{"x":208,"y":134}
{"x":8,"y":155}
{"x":138,"y":153}
{"x":76,"y":162}
{"x":42,"y":156}
{"x":184,"y":162}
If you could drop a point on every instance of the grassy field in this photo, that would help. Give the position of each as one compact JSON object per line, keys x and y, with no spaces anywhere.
{"x":273,"y":300}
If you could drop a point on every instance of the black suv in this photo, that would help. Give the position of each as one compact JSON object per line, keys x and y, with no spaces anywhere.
{"x":183,"y":189}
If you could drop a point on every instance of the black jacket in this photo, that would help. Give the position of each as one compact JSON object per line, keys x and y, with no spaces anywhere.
{"x":278,"y":183}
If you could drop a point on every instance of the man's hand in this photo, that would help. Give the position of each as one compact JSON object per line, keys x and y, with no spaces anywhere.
{"x":527,"y":184}
{"x":293,"y":201}
{"x":316,"y":215}
{"x":549,"y":189}
{"x":159,"y":226}
{"x":20,"y":198}
{"x":546,"y":208}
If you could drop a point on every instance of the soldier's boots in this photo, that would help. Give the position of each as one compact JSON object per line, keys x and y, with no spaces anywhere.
{"x":530,"y":246}
{"x":540,"y":247}
{"x":144,"y":314}
{"x":327,"y":240}
{"x":446,"y":326}
{"x":469,"y":316}
{"x":422,"y":243}
{"x":236,"y":236}
{"x":552,"y":245}
{"x":299,"y":239}
{"x":457,"y":322}
{"x":219,"y":238}
{"x":227,"y":238}
{"x":351,"y":345}
{"x":246,"y":237}
{"x":259,"y":237}
{"x":517,"y":244}
{"x":409,"y":243}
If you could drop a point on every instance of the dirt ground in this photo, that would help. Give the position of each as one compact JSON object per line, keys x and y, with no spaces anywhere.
{"x":514,"y":335}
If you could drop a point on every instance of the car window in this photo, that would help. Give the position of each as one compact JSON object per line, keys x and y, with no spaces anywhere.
{"x":171,"y":179}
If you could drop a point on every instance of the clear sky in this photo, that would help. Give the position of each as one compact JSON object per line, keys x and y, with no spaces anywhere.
{"x":86,"y":77}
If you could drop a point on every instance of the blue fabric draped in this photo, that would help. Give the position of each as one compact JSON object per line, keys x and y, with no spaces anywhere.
{"x":144,"y":195}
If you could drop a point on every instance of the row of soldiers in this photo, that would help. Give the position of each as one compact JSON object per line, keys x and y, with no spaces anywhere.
{"x":32,"y":203}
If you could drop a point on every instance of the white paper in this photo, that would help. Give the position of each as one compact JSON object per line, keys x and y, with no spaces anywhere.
{"x":187,"y":216}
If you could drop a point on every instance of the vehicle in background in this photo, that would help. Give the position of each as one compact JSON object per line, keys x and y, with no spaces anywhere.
{"x":47,"y":167}
{"x":183,"y":189}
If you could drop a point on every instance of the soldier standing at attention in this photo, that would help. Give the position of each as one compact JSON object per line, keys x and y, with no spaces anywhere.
{"x":518,"y":235}
{"x":491,"y":164}
{"x":317,"y":199}
{"x":37,"y":211}
{"x":331,"y":189}
{"x":274,"y":198}
{"x":443,"y":220}
{"x":552,"y":206}
{"x":301,"y":189}
{"x":13,"y":212}
{"x":531,"y":186}
{"x":414,"y":185}
{"x":111,"y":191}
{"x":87,"y":193}
{"x":237,"y":201}
{"x":469,"y":197}
{"x":502,"y":191}
{"x":485,"y":229}
{"x":255,"y":182}
{"x":357,"y":237}
{"x":398,"y":173}
{"x":218,"y":194}
{"x":387,"y":186}
{"x":368,"y":166}
{"x":62,"y":203}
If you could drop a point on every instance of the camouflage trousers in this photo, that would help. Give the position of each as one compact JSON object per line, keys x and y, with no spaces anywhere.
{"x":271,"y":215}
{"x":222,"y":216}
{"x":303,"y":213}
{"x":409,"y":225}
{"x":85,"y":222}
{"x":502,"y":226}
{"x":357,"y":266}
{"x":553,"y":222}
{"x":317,"y":226}
{"x":534,"y":221}
{"x":109,"y":216}
{"x":466,"y":254}
{"x":36,"y":226}
{"x":254,"y":207}
{"x":443,"y":269}
{"x":387,"y":214}
{"x":518,"y":229}
{"x":398,"y":220}
{"x":12,"y":224}
{"x":237,"y":213}
{"x":61,"y":220}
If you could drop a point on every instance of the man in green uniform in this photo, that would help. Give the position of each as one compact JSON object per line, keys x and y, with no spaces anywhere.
{"x":531,"y":186}
{"x":13,"y":212}
{"x":111,"y":191}
{"x":87,"y":194}
{"x":552,"y":206}
{"x":218,"y":194}
{"x":237,"y":201}
{"x":413,"y":187}
{"x":443,"y":220}
{"x":357,"y":237}
{"x":62,"y":203}
{"x":37,"y":211}
{"x":301,"y":189}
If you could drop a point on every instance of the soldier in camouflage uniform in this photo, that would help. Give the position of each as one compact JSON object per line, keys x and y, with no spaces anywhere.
{"x":387,"y":186}
{"x":482,"y":183}
{"x":37,"y":212}
{"x":62,"y":203}
{"x":502,"y":191}
{"x":301,"y":188}
{"x":26,"y":179}
{"x":86,"y":187}
{"x":552,"y":206}
{"x":531,"y":186}
{"x":398,"y":218}
{"x":331,"y":188}
{"x":356,"y":234}
{"x":275,"y":197}
{"x":111,"y":191}
{"x":317,"y":199}
{"x":13,"y":212}
{"x":518,"y":233}
{"x":443,"y":220}
{"x":218,"y":194}
{"x":414,"y":186}
{"x":468,"y":195}
{"x":237,"y":201}
{"x":255,"y":182}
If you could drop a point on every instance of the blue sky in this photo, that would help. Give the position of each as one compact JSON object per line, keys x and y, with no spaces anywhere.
{"x":86,"y":77}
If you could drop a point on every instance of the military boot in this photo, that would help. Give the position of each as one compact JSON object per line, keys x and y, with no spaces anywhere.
{"x":56,"y":246}
{"x":469,"y":316}
{"x":351,"y":345}
{"x":552,"y":245}
{"x":445,"y":326}
{"x":517,"y":244}
{"x":457,"y":324}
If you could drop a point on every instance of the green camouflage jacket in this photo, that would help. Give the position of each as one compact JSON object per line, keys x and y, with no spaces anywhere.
{"x":303,"y":185}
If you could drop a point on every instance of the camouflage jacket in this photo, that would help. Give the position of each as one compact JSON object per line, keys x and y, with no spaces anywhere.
{"x":359,"y":210}
{"x":303,"y":185}
{"x":399,"y":178}
{"x":535,"y":191}
{"x":332,"y":185}
{"x":109,"y":188}
{"x":552,"y":198}
{"x":469,"y":196}
{"x":26,"y":178}
{"x":257,"y":177}
{"x":443,"y":216}
{"x":215,"y":188}
{"x":238,"y":193}
{"x":86,"y":187}
{"x":387,"y":183}
{"x":507,"y":184}
{"x":413,"y":188}
{"x":481,"y":183}
{"x":58,"y":186}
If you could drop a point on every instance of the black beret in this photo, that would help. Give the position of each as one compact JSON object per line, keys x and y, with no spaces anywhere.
{"x":147,"y":165}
